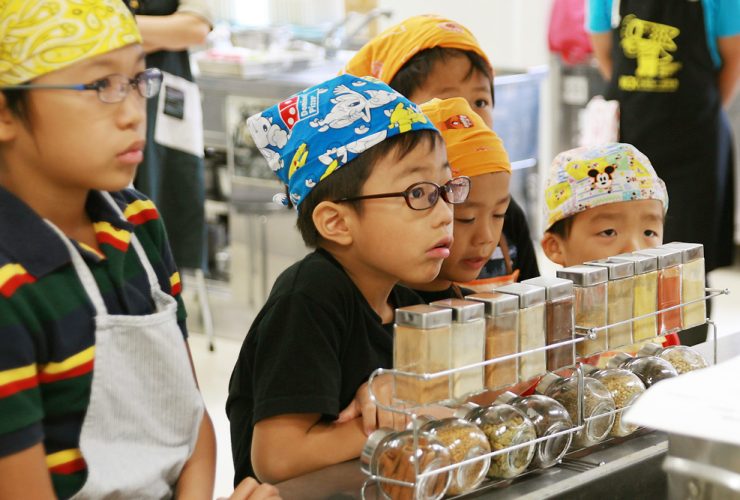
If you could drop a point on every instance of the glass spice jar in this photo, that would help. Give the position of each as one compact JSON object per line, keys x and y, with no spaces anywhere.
{"x":505,"y":426}
{"x":394,"y":455}
{"x":531,"y":327}
{"x":465,"y":441}
{"x":650,"y":369}
{"x":502,"y":323}
{"x":549,"y":417}
{"x":590,"y":289}
{"x":693,"y":282}
{"x":421,"y":344}
{"x":558,"y":319}
{"x":625,"y":387}
{"x":683,"y":358}
{"x":645,"y":295}
{"x":620,"y":289}
{"x":669,"y":287}
{"x":598,"y":405}
{"x":467,"y":344}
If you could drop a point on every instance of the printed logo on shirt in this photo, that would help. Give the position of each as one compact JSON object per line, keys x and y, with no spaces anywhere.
{"x":653,"y":46}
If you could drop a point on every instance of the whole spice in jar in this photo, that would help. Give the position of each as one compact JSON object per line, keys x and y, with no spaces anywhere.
{"x":625,"y":387}
{"x":669,"y":287}
{"x":505,"y":426}
{"x":531,"y":327}
{"x":502,"y":323}
{"x":619,"y":304}
{"x":692,"y":282}
{"x":683,"y":358}
{"x":650,"y":369}
{"x":559,"y":319}
{"x":645,"y":295}
{"x":465,"y":441}
{"x":394,"y":455}
{"x":590,"y":289}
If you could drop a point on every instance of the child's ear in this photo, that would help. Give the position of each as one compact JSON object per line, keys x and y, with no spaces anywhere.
{"x":331,"y":221}
{"x":554,"y":248}
{"x":8,"y":121}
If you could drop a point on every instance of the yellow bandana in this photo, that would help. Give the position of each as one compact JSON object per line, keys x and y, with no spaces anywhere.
{"x":41,"y":36}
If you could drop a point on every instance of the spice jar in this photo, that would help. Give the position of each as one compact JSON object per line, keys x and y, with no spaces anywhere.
{"x":465,"y":441}
{"x":598,"y":405}
{"x":684,"y":359}
{"x":619,"y":301}
{"x":692,"y":282}
{"x":505,"y":426}
{"x":645,"y":295}
{"x":625,"y":387}
{"x":650,"y":369}
{"x":531,"y":327}
{"x":558,"y":319}
{"x":394,"y":455}
{"x":467,"y":344}
{"x":502,"y":323}
{"x":549,"y":417}
{"x":421,"y":344}
{"x":669,"y":287}
{"x":590,"y":288}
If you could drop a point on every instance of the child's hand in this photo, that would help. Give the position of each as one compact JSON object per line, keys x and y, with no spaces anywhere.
{"x":372,"y":416}
{"x":250,"y":489}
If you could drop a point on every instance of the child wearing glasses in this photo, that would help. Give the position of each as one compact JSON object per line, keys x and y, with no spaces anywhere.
{"x":368,"y":174}
{"x":97,"y":394}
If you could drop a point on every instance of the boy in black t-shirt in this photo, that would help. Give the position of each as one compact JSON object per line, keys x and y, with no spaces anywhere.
{"x":366,"y":170}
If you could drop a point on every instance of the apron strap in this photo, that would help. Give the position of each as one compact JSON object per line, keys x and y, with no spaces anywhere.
{"x":83,"y":273}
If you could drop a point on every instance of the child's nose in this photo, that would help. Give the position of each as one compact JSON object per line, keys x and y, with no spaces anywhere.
{"x":443,"y":213}
{"x":132,"y":112}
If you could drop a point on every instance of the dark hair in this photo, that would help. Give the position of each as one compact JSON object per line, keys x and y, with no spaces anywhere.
{"x":562,"y":227}
{"x":347,"y":182}
{"x":16,"y":101}
{"x":414,"y":73}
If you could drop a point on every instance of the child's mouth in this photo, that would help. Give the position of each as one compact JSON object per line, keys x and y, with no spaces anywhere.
{"x":442,"y":249}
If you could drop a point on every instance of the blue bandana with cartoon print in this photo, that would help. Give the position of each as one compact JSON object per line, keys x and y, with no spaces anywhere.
{"x":319,"y":130}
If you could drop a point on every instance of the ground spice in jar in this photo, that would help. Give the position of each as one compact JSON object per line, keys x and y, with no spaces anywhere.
{"x":645,"y":300}
{"x":502,"y":323}
{"x":669,"y":287}
{"x":619,"y":304}
{"x":590,"y":290}
{"x":625,"y":387}
{"x":531,"y":327}
{"x":559,"y":319}
{"x":693,"y":282}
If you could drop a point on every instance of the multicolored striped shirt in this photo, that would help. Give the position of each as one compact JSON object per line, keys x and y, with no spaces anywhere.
{"x":47,"y":330}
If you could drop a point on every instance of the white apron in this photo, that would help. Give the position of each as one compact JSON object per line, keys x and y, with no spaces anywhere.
{"x":145,"y":410}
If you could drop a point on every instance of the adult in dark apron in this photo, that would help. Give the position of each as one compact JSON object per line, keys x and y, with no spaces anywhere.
{"x":670,"y":109}
{"x":172,"y":177}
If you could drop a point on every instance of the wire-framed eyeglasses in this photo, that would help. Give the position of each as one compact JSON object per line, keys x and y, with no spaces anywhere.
{"x":111,"y":89}
{"x":424,"y":195}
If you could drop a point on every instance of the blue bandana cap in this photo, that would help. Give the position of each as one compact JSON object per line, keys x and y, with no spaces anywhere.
{"x":319,"y":130}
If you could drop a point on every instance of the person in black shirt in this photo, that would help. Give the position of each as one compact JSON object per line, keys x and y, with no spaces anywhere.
{"x":369,"y":175}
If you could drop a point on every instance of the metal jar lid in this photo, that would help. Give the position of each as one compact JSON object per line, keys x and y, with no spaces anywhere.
{"x":529,"y":295}
{"x":462,"y":310}
{"x":423,"y":316}
{"x":618,"y":359}
{"x":583,"y":275}
{"x":643,"y":263}
{"x":373,"y":441}
{"x":689,"y":251}
{"x":650,"y":349}
{"x":496,"y":304}
{"x":667,"y":257}
{"x":506,"y":397}
{"x":546,"y":381}
{"x":555,"y":288}
{"x":616,"y":270}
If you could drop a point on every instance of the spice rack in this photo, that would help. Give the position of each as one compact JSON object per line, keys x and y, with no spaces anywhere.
{"x":581,"y":334}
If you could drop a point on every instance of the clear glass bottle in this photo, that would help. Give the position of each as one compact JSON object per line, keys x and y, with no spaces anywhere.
{"x":597,"y":401}
{"x":421,"y":344}
{"x":548,"y":417}
{"x":683,"y":358}
{"x":625,"y":387}
{"x":464,"y":440}
{"x":590,"y":289}
{"x":502,"y":324}
{"x":650,"y":369}
{"x":394,"y":455}
{"x":645,"y":296}
{"x":693,"y":282}
{"x":558,"y":319}
{"x":467,"y":344}
{"x":531,"y":327}
{"x":505,"y":426}
{"x":620,"y":289}
{"x":669,"y":287}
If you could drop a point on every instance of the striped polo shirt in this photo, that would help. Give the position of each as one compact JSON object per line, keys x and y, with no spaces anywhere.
{"x":47,"y":331}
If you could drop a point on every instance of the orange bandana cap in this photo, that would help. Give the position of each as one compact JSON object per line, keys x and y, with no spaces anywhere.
{"x":384,"y":55}
{"x":472,"y":148}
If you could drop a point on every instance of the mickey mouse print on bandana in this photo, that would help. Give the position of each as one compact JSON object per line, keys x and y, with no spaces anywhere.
{"x":319,"y":130}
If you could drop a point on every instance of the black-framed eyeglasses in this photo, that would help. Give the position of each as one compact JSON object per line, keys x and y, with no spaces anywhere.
{"x":424,"y":195}
{"x":111,"y":89}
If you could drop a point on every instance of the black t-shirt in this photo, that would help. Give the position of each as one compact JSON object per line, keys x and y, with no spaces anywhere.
{"x":453,"y":292}
{"x":313,"y":344}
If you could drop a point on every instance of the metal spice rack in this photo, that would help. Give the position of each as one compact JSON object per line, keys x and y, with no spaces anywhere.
{"x":580,"y":334}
